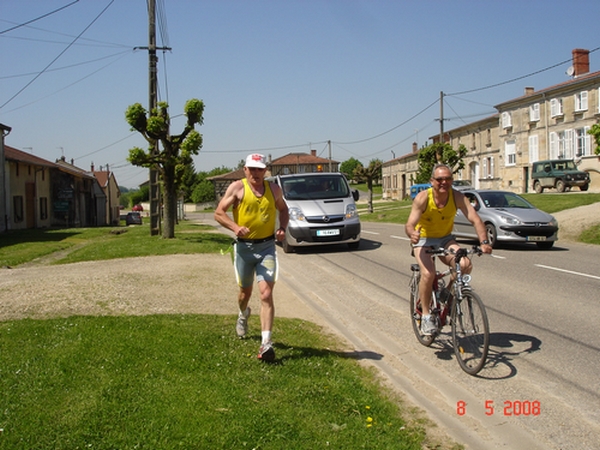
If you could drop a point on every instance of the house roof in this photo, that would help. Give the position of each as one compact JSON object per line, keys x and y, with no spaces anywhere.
{"x":73,"y":170}
{"x":13,"y":154}
{"x":102,"y":176}
{"x":300,"y":158}
{"x":578,"y":80}
{"x":229,"y":176}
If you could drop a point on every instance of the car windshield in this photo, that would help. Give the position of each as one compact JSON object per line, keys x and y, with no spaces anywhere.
{"x":314,"y":187}
{"x":504,"y":200}
{"x":564,"y":165}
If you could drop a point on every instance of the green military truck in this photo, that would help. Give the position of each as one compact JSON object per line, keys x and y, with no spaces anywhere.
{"x":561,"y":174}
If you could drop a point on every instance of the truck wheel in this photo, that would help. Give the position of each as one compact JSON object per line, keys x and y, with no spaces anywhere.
{"x":537,"y":187}
{"x":560,"y":186}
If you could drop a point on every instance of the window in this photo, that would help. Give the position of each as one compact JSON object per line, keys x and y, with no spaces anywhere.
{"x":534,"y":112}
{"x":581,"y":101}
{"x":561,"y":144}
{"x":488,"y":167}
{"x":18,"y":208}
{"x":510,"y":152}
{"x":506,"y":120}
{"x":43,"y":208}
{"x":556,"y":107}
{"x":582,"y":142}
{"x":534,"y":153}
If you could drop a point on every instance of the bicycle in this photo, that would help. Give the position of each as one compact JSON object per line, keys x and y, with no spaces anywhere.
{"x":459,"y":306}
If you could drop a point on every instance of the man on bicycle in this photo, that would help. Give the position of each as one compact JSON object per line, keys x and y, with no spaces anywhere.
{"x":430,"y":225}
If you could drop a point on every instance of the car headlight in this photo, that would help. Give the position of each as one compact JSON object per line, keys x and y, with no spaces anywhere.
{"x":553,"y":222}
{"x":351,"y":211}
{"x":296,"y":214}
{"x":510,"y":220}
{"x":569,"y":177}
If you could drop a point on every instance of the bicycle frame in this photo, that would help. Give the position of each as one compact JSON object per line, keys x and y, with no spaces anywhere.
{"x":470,"y":328}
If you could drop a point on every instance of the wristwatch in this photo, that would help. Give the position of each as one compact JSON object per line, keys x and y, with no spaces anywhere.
{"x":485,"y":242}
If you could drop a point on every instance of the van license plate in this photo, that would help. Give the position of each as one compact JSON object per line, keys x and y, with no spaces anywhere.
{"x":333,"y":232}
{"x":536,"y":238}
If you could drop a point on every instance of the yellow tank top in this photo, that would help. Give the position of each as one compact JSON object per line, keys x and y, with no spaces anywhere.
{"x":256,"y":213}
{"x":437,"y":222}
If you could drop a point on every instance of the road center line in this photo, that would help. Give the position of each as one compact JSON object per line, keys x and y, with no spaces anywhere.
{"x":567,"y":271}
{"x":400,"y":237}
{"x":368,"y":232}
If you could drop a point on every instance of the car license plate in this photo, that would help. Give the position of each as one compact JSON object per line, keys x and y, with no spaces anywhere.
{"x":333,"y":232}
{"x":536,"y":238}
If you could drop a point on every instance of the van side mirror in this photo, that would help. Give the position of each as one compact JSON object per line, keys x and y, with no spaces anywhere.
{"x":355,"y":195}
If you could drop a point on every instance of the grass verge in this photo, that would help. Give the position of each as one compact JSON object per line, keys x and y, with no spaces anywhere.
{"x":185,"y":381}
{"x":90,"y":244}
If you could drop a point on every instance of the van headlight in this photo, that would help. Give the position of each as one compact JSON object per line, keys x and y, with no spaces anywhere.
{"x":296,"y":214}
{"x":351,"y":211}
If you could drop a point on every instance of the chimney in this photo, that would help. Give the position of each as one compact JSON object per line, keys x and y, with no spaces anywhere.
{"x":581,"y":61}
{"x":529,"y":90}
{"x":92,"y":168}
{"x":313,"y":153}
{"x":415,"y":147}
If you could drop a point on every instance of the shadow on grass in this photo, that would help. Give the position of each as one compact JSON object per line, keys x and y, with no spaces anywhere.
{"x":290,"y":352}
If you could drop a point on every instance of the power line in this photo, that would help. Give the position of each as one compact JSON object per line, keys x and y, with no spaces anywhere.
{"x":38,"y":18}
{"x":517,"y":78}
{"x":392,"y":129}
{"x":59,"y":55}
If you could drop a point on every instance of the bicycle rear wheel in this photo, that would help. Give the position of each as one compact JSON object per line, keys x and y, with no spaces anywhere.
{"x":416,"y":313}
{"x":470,"y":332}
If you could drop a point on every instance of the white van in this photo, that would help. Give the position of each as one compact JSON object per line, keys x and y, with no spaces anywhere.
{"x":322,"y":210}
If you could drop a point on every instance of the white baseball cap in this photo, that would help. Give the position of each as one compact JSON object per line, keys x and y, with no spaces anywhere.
{"x":256,"y":160}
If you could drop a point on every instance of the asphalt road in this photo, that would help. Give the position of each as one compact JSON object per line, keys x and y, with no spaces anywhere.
{"x":542,"y":308}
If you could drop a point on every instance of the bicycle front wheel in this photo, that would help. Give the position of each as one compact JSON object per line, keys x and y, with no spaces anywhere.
{"x":470,"y":332}
{"x":416,"y":313}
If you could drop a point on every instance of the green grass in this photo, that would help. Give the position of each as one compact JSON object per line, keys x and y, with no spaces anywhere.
{"x":552,"y":203}
{"x":185,"y":381}
{"x":90,"y":244}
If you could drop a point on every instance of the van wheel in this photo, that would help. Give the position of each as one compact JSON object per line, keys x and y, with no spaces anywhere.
{"x":537,"y":187}
{"x":560,"y":186}
{"x":287,"y":248}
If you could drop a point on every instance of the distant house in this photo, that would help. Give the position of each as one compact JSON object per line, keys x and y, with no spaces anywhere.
{"x":37,"y":193}
{"x":288,"y":164}
{"x":28,"y":190}
{"x":110,"y":188}
{"x":302,"y":163}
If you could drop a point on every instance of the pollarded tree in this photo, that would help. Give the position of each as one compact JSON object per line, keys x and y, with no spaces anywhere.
{"x":369,"y":174}
{"x":439,"y":154}
{"x":174,"y":154}
{"x":347,"y":167}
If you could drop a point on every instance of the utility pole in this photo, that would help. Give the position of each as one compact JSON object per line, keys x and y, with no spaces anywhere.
{"x":152,"y":88}
{"x":152,"y":102}
{"x":330,"y":166}
{"x":441,"y":117}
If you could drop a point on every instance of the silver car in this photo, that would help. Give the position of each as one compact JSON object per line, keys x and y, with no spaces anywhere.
{"x":508,"y":217}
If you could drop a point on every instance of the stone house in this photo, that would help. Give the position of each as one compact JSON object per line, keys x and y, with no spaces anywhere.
{"x":551,"y":123}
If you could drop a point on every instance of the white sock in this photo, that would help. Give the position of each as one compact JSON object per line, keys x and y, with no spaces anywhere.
{"x":266,"y":337}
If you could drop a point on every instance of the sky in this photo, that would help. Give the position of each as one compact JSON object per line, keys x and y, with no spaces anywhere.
{"x":276,"y":77}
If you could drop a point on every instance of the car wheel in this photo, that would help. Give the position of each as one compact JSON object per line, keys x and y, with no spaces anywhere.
{"x":492,"y":235}
{"x":560,"y":186}
{"x":537,"y":186}
{"x":287,"y":248}
{"x":584,"y":187}
{"x":547,"y":245}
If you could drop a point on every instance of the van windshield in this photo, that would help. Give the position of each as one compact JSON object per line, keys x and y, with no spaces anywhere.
{"x":314,"y":187}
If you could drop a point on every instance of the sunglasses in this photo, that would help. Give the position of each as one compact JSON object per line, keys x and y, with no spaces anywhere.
{"x":440,"y":179}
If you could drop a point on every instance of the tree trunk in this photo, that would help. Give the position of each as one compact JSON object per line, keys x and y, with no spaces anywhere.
{"x":169,"y":202}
